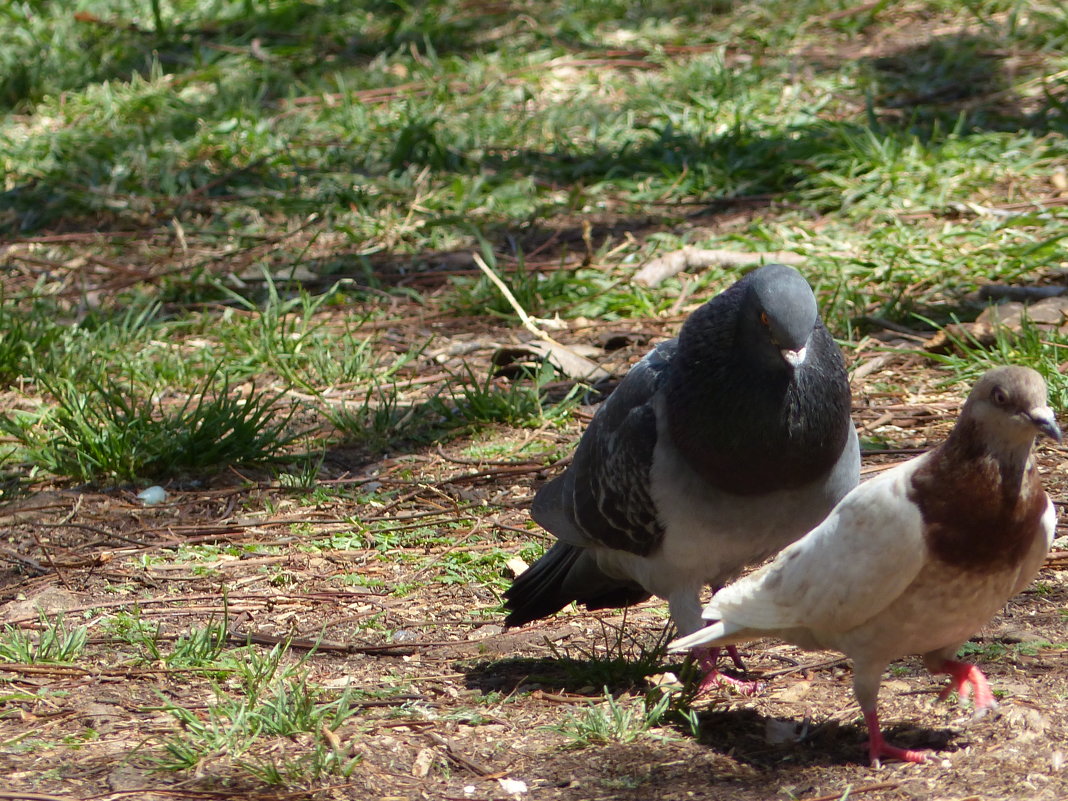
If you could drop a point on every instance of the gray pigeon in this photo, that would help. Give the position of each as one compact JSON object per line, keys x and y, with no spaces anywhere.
{"x":915,"y":560}
{"x":716,"y":450}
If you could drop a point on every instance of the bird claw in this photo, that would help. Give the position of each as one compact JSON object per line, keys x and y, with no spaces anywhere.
{"x":990,"y":709}
{"x":992,"y":712}
{"x":884,"y":749}
{"x":964,"y":678}
{"x":716,"y":679}
{"x":879,"y":747}
{"x":708,"y":659}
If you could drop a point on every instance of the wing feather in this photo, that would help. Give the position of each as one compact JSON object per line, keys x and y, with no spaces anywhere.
{"x":603,"y":498}
{"x":847,"y":569}
{"x":1036,"y":556}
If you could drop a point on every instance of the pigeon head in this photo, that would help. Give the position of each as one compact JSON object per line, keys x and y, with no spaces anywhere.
{"x":779,"y":313}
{"x":1009,"y":405}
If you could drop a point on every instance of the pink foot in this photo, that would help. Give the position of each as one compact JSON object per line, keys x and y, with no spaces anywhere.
{"x":963,"y":678}
{"x":707,"y":659}
{"x":878,"y":747}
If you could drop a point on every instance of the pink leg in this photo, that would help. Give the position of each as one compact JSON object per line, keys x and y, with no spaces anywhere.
{"x":963,"y":678}
{"x":732,"y":652}
{"x":878,"y":747}
{"x":707,"y":659}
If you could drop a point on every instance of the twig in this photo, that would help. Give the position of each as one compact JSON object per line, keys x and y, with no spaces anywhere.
{"x":31,"y":565}
{"x":827,"y":663}
{"x":182,"y":793}
{"x":47,"y":239}
{"x":851,"y":791}
{"x":853,"y":11}
{"x":176,"y":599}
{"x":524,"y":318}
{"x":48,"y":556}
{"x":43,"y":670}
{"x":1057,"y":559}
{"x":883,"y":419}
{"x":492,"y":472}
{"x":1025,"y":205}
{"x":294,"y":642}
{"x":1023,"y":294}
{"x":689,"y":257}
{"x":562,"y":356}
{"x":459,"y":759}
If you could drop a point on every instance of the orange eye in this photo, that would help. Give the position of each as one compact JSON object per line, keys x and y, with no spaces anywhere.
{"x":764,"y":318}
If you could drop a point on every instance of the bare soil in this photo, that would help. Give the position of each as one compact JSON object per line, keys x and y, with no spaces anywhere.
{"x":463,"y":703}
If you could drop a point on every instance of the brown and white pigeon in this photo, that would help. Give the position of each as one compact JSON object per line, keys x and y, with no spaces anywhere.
{"x":914,"y":560}
{"x":716,"y":450}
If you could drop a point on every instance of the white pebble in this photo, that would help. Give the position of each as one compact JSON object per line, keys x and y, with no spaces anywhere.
{"x":152,"y":495}
{"x":513,"y":786}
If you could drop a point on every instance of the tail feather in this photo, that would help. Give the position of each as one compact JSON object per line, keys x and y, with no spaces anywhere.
{"x":722,"y":632}
{"x":564,"y":574}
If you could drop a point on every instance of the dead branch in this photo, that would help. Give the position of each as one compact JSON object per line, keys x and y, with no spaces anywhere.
{"x":1022,"y":294}
{"x":691,"y":258}
{"x":454,"y":754}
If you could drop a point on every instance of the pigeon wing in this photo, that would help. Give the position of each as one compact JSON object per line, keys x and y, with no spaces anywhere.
{"x":843,"y":572}
{"x":1036,"y":556}
{"x":604,"y":497}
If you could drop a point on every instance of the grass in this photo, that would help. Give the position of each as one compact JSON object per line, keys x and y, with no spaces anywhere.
{"x":465,"y":404}
{"x":994,"y":651}
{"x":201,"y":647}
{"x":614,"y":721}
{"x":1030,"y":345}
{"x":113,"y":432}
{"x":237,"y":258}
{"x":272,"y":701}
{"x":622,"y":660}
{"x":54,"y":642}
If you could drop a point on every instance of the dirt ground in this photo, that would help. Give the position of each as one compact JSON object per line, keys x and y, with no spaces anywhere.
{"x":458,"y":707}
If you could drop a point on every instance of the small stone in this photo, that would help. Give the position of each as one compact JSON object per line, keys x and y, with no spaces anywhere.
{"x":150,"y":496}
{"x":513,"y":786}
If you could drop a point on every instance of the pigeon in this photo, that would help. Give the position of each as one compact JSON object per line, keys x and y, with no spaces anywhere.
{"x":717,"y":449}
{"x":914,"y":560}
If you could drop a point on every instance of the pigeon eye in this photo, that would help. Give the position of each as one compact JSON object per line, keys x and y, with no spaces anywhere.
{"x":998,"y":396}
{"x":764,"y":318}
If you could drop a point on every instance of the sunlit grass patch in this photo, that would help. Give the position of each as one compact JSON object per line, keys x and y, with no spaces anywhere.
{"x":265,"y":700}
{"x":54,"y":641}
{"x":99,"y":432}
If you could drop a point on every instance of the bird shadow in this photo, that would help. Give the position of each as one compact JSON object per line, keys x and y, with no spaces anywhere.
{"x":766,"y":741}
{"x":588,"y":676}
{"x":761,"y":741}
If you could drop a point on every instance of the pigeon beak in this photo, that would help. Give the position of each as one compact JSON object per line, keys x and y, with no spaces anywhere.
{"x":794,"y":358}
{"x":1043,"y":419}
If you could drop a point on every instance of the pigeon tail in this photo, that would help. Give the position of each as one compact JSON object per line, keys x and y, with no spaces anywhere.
{"x":722,"y":632}
{"x":564,"y":574}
